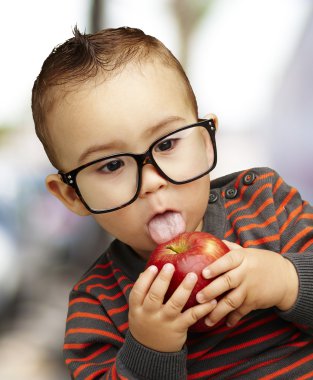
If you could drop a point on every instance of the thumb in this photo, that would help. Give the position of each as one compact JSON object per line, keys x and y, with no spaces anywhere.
{"x":232,"y":245}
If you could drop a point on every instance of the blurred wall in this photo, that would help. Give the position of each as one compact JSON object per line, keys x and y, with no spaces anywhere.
{"x":249,"y":61}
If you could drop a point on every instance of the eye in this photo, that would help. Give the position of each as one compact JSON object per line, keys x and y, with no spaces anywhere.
{"x":111,"y":166}
{"x":172,"y":141}
{"x":165,"y":145}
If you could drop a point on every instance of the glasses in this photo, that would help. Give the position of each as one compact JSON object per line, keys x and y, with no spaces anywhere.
{"x":113,"y":182}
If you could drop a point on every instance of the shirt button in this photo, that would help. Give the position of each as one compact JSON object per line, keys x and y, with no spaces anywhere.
{"x":231,"y":193}
{"x":213,"y":197}
{"x":249,"y":178}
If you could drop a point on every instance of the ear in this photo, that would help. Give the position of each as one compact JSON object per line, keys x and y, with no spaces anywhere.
{"x":66,"y":194}
{"x":208,"y":142}
{"x":214,"y":117}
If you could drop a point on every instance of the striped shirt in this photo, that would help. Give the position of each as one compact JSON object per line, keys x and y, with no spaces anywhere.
{"x":254,"y":208}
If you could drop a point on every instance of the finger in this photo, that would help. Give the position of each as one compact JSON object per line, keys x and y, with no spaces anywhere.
{"x":222,"y":284}
{"x":155,"y":296}
{"x":142,"y":285}
{"x":194,"y":314}
{"x":231,"y":245}
{"x":231,"y":302}
{"x":225,"y":263}
{"x":235,"y":316}
{"x":178,"y":300}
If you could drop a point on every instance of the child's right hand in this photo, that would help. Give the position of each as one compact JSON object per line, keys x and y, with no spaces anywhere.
{"x":163,"y":327}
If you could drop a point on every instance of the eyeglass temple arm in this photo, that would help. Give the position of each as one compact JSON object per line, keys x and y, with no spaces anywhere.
{"x":66,"y":178}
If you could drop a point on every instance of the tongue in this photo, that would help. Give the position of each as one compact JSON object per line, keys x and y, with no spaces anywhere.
{"x":166,"y":226}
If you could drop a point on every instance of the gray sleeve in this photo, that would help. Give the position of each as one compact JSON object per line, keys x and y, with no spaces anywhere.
{"x":302,"y":310}
{"x":138,"y":362}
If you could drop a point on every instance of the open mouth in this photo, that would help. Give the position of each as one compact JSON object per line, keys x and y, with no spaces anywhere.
{"x":164,"y":227}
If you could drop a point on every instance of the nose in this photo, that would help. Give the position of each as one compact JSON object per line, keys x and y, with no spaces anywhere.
{"x":151,"y":180}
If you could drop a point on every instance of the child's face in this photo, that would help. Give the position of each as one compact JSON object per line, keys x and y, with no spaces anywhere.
{"x":117,"y":115}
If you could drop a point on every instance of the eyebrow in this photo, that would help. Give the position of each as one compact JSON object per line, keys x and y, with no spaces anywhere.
{"x":97,"y":148}
{"x":162,"y":124}
{"x":113,"y":144}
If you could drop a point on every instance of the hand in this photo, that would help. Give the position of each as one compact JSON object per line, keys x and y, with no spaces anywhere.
{"x":251,"y":279}
{"x":163,"y":327}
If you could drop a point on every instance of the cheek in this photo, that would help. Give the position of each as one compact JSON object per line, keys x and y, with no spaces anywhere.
{"x":195,"y":200}
{"x":197,"y":193}
{"x":126,"y":226}
{"x":122,"y":224}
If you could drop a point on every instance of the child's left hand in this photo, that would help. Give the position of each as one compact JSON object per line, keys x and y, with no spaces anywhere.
{"x":253,"y":279}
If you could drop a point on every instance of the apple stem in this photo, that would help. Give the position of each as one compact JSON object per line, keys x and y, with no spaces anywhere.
{"x":176,"y":248}
{"x":171,"y":248}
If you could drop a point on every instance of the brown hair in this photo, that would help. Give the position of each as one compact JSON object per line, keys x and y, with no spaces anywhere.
{"x":84,"y":56}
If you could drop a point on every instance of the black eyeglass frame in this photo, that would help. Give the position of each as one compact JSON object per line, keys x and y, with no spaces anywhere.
{"x":142,"y":159}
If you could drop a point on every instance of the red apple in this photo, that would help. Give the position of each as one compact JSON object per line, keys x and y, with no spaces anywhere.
{"x":189,"y":252}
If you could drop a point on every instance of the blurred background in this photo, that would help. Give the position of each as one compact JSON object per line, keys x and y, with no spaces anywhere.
{"x":249,"y":61}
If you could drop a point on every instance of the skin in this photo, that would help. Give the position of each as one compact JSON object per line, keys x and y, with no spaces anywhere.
{"x":122,"y":111}
{"x":253,"y":279}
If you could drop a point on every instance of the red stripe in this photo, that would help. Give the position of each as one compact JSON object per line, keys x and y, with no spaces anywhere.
{"x":75,"y":346}
{"x":119,"y":294}
{"x":306,"y":245}
{"x":259,"y":365}
{"x":239,"y":199}
{"x":251,"y":326}
{"x":296,"y":238}
{"x":103,"y":266}
{"x":265,"y":239}
{"x":213,"y":371}
{"x":123,"y":326}
{"x":288,"y":198}
{"x":251,"y":201}
{"x":277,"y":185}
{"x":307,"y":376}
{"x":107,"y":287}
{"x":305,"y":216}
{"x":91,"y":356}
{"x":88,"y":315}
{"x":291,"y":216}
{"x":197,"y":354}
{"x":268,"y":202}
{"x":114,"y":372}
{"x":84,"y":366}
{"x":229,"y":232}
{"x":240,"y":177}
{"x":84,"y":300}
{"x":91,"y":277}
{"x":118,"y":310}
{"x":94,"y":331}
{"x":247,"y":344}
{"x":251,"y":226}
{"x":288,"y":368}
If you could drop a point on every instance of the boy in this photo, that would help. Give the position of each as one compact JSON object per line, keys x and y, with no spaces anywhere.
{"x":118,"y":119}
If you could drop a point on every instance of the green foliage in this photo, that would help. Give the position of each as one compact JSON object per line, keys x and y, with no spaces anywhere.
{"x":5,"y":131}
{"x":190,"y":13}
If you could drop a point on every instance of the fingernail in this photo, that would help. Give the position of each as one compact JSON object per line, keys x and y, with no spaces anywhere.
{"x":200,"y":297}
{"x":153,"y":268}
{"x":168,"y":267}
{"x":206,"y":273}
{"x":208,"y":322}
{"x":230,"y":324}
{"x":191,"y":277}
{"x":213,"y":302}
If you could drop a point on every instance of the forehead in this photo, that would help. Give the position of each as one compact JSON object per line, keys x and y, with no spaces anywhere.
{"x":119,"y":111}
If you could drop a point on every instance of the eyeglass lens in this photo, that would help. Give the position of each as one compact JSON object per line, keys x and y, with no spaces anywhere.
{"x":113,"y":182}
